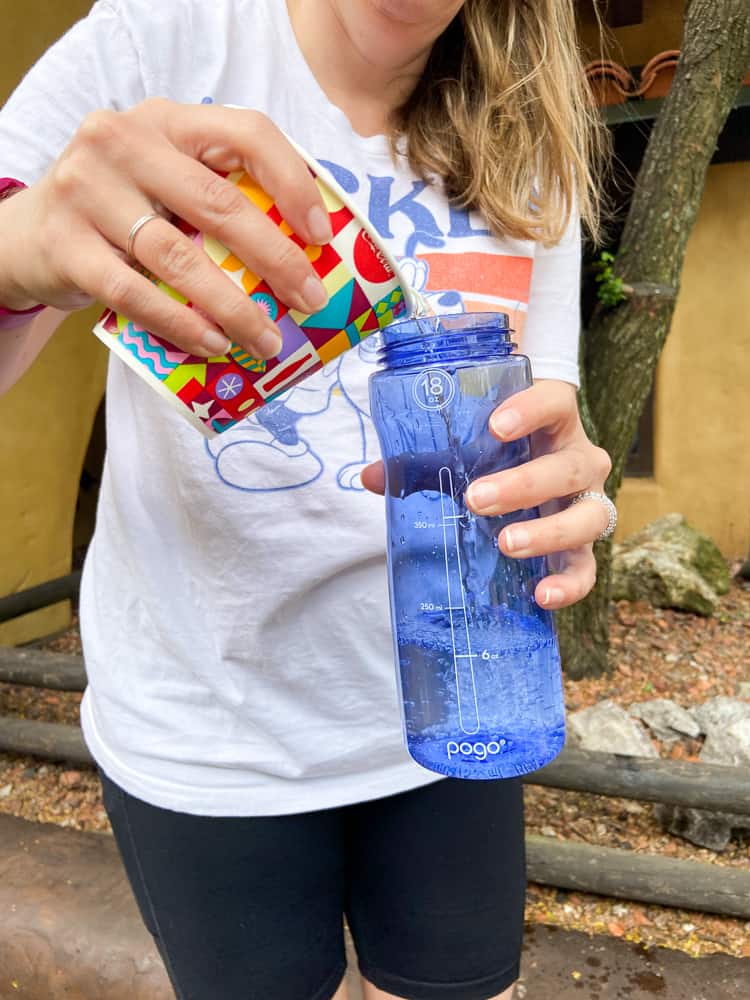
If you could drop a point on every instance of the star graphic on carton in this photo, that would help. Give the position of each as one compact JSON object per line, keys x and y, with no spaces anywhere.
{"x":202,"y":410}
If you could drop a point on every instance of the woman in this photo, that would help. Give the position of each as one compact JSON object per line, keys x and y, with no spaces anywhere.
{"x":241,"y":704}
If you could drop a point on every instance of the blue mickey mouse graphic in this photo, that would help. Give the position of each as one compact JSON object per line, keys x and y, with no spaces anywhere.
{"x":273,"y":449}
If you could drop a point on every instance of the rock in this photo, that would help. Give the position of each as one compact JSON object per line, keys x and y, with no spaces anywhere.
{"x":720,"y":712}
{"x":667,"y":720}
{"x":701,"y":827}
{"x":634,"y":808}
{"x":670,"y":565}
{"x":70,"y":779}
{"x":743,"y":690}
{"x":729,"y":745}
{"x":609,"y":728}
{"x":726,"y":722}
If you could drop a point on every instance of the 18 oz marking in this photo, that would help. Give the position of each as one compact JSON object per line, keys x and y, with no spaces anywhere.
{"x":434,"y":389}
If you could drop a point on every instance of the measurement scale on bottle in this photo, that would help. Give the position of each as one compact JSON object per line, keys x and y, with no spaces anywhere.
{"x":463,"y":656}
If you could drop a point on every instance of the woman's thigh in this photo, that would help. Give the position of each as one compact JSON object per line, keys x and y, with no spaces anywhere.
{"x":436,"y":889}
{"x":241,"y":909}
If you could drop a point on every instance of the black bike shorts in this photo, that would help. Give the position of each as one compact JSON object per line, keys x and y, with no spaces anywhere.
{"x":431,"y":882}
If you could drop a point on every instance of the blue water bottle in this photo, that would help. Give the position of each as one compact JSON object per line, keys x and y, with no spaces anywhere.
{"x":478,"y":660}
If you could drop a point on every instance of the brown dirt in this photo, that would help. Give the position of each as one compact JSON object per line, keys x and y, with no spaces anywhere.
{"x":655,"y":653}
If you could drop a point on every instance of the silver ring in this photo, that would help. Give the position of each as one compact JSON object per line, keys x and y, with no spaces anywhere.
{"x":603,"y":499}
{"x":137,"y":227}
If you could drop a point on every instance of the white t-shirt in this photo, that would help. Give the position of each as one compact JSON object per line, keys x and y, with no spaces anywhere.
{"x":234,"y":605}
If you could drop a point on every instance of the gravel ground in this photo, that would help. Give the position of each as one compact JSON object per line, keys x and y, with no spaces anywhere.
{"x":655,"y":653}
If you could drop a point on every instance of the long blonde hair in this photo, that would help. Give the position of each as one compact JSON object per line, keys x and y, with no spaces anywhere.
{"x":504,"y":116}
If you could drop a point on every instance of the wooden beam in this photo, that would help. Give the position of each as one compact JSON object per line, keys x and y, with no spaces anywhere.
{"x":48,"y":740}
{"x":674,"y":782}
{"x":698,"y":786}
{"x":647,"y":878}
{"x":44,"y":595}
{"x":36,"y":668}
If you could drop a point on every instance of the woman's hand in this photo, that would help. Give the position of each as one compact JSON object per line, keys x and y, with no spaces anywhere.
{"x":565,"y":462}
{"x":65,"y":237}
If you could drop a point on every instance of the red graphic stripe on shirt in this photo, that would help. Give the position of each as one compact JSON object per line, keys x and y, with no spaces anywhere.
{"x":498,"y":275}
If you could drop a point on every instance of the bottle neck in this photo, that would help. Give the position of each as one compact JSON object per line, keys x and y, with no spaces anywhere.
{"x":437,"y":340}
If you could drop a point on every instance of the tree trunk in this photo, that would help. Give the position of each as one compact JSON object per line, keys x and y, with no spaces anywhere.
{"x":623,"y":344}
{"x":583,"y":630}
{"x":744,"y":570}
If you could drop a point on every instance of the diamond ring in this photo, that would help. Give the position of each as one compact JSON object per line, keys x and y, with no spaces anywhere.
{"x":602,"y":498}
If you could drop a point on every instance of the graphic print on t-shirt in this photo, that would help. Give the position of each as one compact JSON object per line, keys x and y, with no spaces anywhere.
{"x":283,"y":446}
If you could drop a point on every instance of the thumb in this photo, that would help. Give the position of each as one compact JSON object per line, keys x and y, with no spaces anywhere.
{"x":373,"y":478}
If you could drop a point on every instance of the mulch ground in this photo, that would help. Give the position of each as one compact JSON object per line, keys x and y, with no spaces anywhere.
{"x":654,"y":653}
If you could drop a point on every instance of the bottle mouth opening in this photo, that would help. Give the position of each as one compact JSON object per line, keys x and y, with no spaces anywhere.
{"x":456,"y":333}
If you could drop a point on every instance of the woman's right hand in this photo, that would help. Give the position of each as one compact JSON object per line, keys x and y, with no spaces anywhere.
{"x":65,"y":237}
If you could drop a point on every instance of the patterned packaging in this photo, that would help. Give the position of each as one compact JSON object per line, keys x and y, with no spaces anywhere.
{"x":366,"y":294}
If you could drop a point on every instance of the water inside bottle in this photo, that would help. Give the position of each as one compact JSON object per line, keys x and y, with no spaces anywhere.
{"x":474,"y":648}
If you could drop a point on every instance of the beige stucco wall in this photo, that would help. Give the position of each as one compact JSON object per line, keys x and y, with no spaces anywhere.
{"x":635,"y":44}
{"x":29,"y":28}
{"x":46,"y":419}
{"x":702,"y":427}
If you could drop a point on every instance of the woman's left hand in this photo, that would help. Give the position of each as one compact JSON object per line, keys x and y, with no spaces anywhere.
{"x":565,"y":463}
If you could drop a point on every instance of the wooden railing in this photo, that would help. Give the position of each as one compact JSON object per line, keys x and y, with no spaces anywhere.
{"x":568,"y":865}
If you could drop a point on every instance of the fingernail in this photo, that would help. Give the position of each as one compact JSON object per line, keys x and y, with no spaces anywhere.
{"x":516,"y":538}
{"x":505,"y":423}
{"x":482,"y":496}
{"x":552,"y":595}
{"x":319,"y":224}
{"x":314,"y":293}
{"x":268,"y":344}
{"x":215,"y":343}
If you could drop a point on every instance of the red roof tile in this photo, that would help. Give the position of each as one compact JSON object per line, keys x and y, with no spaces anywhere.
{"x":613,"y":83}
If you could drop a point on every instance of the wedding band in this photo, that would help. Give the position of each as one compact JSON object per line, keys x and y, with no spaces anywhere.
{"x":143,"y":221}
{"x":611,"y":510}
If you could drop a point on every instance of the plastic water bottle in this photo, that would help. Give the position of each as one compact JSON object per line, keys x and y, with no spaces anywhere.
{"x":478,"y":660}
